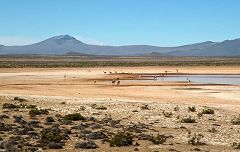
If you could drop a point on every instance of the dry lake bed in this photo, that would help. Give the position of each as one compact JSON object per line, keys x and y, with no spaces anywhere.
{"x":159,"y":108}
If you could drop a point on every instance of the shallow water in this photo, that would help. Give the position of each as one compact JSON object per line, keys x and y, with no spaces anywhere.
{"x":206,"y":79}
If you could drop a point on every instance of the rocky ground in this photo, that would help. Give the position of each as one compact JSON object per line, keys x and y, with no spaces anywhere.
{"x":39,"y":123}
{"x":42,"y":110}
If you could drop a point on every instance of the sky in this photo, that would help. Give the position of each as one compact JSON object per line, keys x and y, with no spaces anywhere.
{"x":120,"y":22}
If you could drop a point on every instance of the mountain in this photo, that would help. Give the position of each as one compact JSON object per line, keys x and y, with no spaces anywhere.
{"x":65,"y":44}
{"x":55,"y":45}
{"x":225,"y":48}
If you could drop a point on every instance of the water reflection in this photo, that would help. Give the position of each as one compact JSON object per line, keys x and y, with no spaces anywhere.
{"x":212,"y":79}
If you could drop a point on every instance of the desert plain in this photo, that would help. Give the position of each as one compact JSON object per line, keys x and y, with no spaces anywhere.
{"x":138,"y":114}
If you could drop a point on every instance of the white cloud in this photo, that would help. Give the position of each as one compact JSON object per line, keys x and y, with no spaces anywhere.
{"x":88,"y":40}
{"x":16,"y":40}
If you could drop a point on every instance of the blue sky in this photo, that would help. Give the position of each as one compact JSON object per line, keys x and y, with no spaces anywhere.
{"x":120,"y":22}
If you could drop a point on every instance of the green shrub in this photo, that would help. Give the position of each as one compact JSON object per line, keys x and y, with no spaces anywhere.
{"x":34,"y":112}
{"x":82,"y":108}
{"x":121,"y":139}
{"x":94,"y":105}
{"x":159,"y":139}
{"x":195,"y":140}
{"x":145,"y":107}
{"x":101,"y":108}
{"x":15,"y":106}
{"x":51,"y":135}
{"x":236,"y":145}
{"x":31,"y":106}
{"x":10,"y":106}
{"x":200,"y":114}
{"x":86,"y":145}
{"x":208,"y":111}
{"x":74,"y":117}
{"x":188,"y":120}
{"x":192,"y":109}
{"x":19,"y":99}
{"x":176,"y":108}
{"x":212,"y":130}
{"x":236,"y":121}
{"x":167,"y":114}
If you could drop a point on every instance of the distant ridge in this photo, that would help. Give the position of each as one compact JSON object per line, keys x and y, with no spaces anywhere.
{"x":76,"y":54}
{"x":65,"y":44}
{"x":154,"y":54}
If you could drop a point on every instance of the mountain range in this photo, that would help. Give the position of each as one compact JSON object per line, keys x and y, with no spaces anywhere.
{"x":68,"y":45}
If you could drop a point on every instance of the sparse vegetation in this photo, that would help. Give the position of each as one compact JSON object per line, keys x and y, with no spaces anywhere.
{"x":66,"y":61}
{"x":94,"y":105}
{"x":236,"y":145}
{"x":63,"y":103}
{"x":145,"y":107}
{"x":159,"y":139}
{"x":10,"y":106}
{"x":86,"y":145}
{"x":200,"y":114}
{"x":167,"y":114}
{"x":188,"y":120}
{"x":176,"y":108}
{"x":101,"y":108}
{"x":74,"y":117}
{"x":53,"y":145}
{"x":82,"y":108}
{"x":196,"y":140}
{"x":30,"y":106}
{"x":56,"y":131}
{"x":35,"y":112}
{"x":49,"y":119}
{"x":17,"y":106}
{"x":208,"y":111}
{"x":178,"y":117}
{"x":121,"y":139}
{"x":212,"y":130}
{"x":192,"y":109}
{"x":236,"y":121}
{"x":51,"y":135}
{"x":19,"y":99}
{"x":96,"y":135}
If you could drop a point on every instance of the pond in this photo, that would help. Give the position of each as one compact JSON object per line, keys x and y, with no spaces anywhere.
{"x":205,"y":79}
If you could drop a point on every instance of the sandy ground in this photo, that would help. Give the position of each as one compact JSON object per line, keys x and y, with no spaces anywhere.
{"x":48,"y":87}
{"x":79,"y":83}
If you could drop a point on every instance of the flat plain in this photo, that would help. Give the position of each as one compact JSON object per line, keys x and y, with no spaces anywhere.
{"x":138,"y":114}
